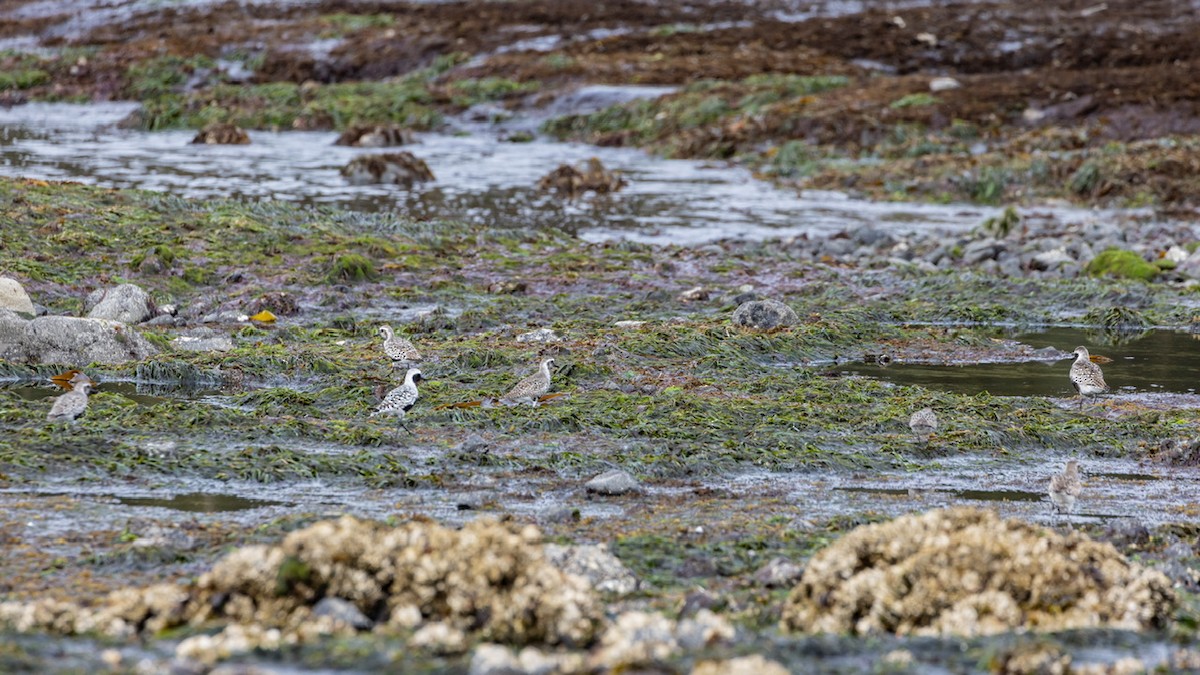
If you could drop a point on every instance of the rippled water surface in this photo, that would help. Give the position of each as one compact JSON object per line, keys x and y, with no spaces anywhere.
{"x":479,"y":178}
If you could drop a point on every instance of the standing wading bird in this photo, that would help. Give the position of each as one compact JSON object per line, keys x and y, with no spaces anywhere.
{"x":72,"y":404}
{"x":398,"y":349}
{"x":401,"y":399}
{"x":1065,"y":487}
{"x":530,"y":389}
{"x":923,"y":423}
{"x":1086,"y":377}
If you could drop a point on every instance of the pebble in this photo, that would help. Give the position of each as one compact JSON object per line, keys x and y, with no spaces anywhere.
{"x":612,"y":483}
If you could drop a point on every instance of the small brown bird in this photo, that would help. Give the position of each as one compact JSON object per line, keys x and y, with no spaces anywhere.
{"x":72,"y":404}
{"x":923,"y":423}
{"x":398,"y":349}
{"x":530,"y":389}
{"x":1065,"y":487}
{"x":1086,"y":377}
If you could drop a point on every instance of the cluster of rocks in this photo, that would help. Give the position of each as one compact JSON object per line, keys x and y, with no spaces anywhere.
{"x":966,"y":571}
{"x":1026,"y":246}
{"x":487,"y":580}
{"x":103,"y":336}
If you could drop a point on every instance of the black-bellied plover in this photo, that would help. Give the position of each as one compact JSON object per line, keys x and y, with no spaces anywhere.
{"x":398,"y":349}
{"x":923,"y":423}
{"x":72,"y":404}
{"x":401,"y":399}
{"x":1065,"y":487}
{"x":1086,"y":376}
{"x":530,"y":389}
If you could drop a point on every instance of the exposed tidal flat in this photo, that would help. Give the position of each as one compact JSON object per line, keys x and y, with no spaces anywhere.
{"x":754,"y":238}
{"x":746,"y":445}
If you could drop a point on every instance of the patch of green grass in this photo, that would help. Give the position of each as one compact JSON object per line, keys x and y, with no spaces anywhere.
{"x":341,"y":23}
{"x":466,"y":93}
{"x":352,"y":267}
{"x":23,"y":78}
{"x":917,"y":100}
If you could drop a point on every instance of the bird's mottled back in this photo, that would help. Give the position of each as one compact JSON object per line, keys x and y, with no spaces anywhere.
{"x":72,"y":404}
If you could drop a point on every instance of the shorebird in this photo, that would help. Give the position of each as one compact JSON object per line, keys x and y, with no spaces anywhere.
{"x":400,"y":350}
{"x":530,"y":389}
{"x":73,"y":403}
{"x":1065,"y":487}
{"x":923,"y":423}
{"x":401,"y":399}
{"x":1086,"y":376}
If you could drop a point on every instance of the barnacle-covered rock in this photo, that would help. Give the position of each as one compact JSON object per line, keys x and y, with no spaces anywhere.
{"x":398,"y":168}
{"x":486,"y":580}
{"x":374,"y":136}
{"x":222,"y":134}
{"x":966,"y":571}
{"x":591,"y":176}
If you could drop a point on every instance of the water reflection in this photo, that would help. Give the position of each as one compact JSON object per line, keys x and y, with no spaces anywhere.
{"x":199,"y":502}
{"x":1154,"y":361}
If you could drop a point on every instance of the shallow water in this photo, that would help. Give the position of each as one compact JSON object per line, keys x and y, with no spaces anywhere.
{"x":480,"y":179}
{"x":1149,"y":364}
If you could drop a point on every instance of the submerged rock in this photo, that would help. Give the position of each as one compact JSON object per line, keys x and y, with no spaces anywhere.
{"x":14,"y":297}
{"x":591,"y":176}
{"x":66,"y":339}
{"x":612,"y":483}
{"x":764,"y":315}
{"x":126,"y":303}
{"x":374,"y":136}
{"x":202,"y":340}
{"x":487,"y":581}
{"x":398,"y":168}
{"x":966,"y":571}
{"x":222,"y":134}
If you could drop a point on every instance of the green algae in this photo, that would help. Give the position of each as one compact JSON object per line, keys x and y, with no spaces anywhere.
{"x":1121,"y":264}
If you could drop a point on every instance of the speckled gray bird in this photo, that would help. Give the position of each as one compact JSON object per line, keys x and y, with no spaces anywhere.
{"x":1065,"y":487}
{"x":400,"y":350}
{"x":1086,"y":377}
{"x":71,"y":405}
{"x":530,"y":389}
{"x":923,"y":423}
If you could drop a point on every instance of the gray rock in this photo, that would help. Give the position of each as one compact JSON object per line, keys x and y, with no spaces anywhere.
{"x":873,"y":236}
{"x":603,"y":570}
{"x":764,"y":315}
{"x":126,"y":303}
{"x":160,"y":537}
{"x":14,"y":297}
{"x":778,"y":573}
{"x":1048,"y":260}
{"x":1010,"y":266}
{"x":615,"y":482}
{"x":983,"y":249}
{"x":69,"y":340}
{"x":540,"y":335}
{"x":342,"y":610}
{"x":493,"y":659}
{"x":1190,"y":267}
{"x":202,"y":340}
